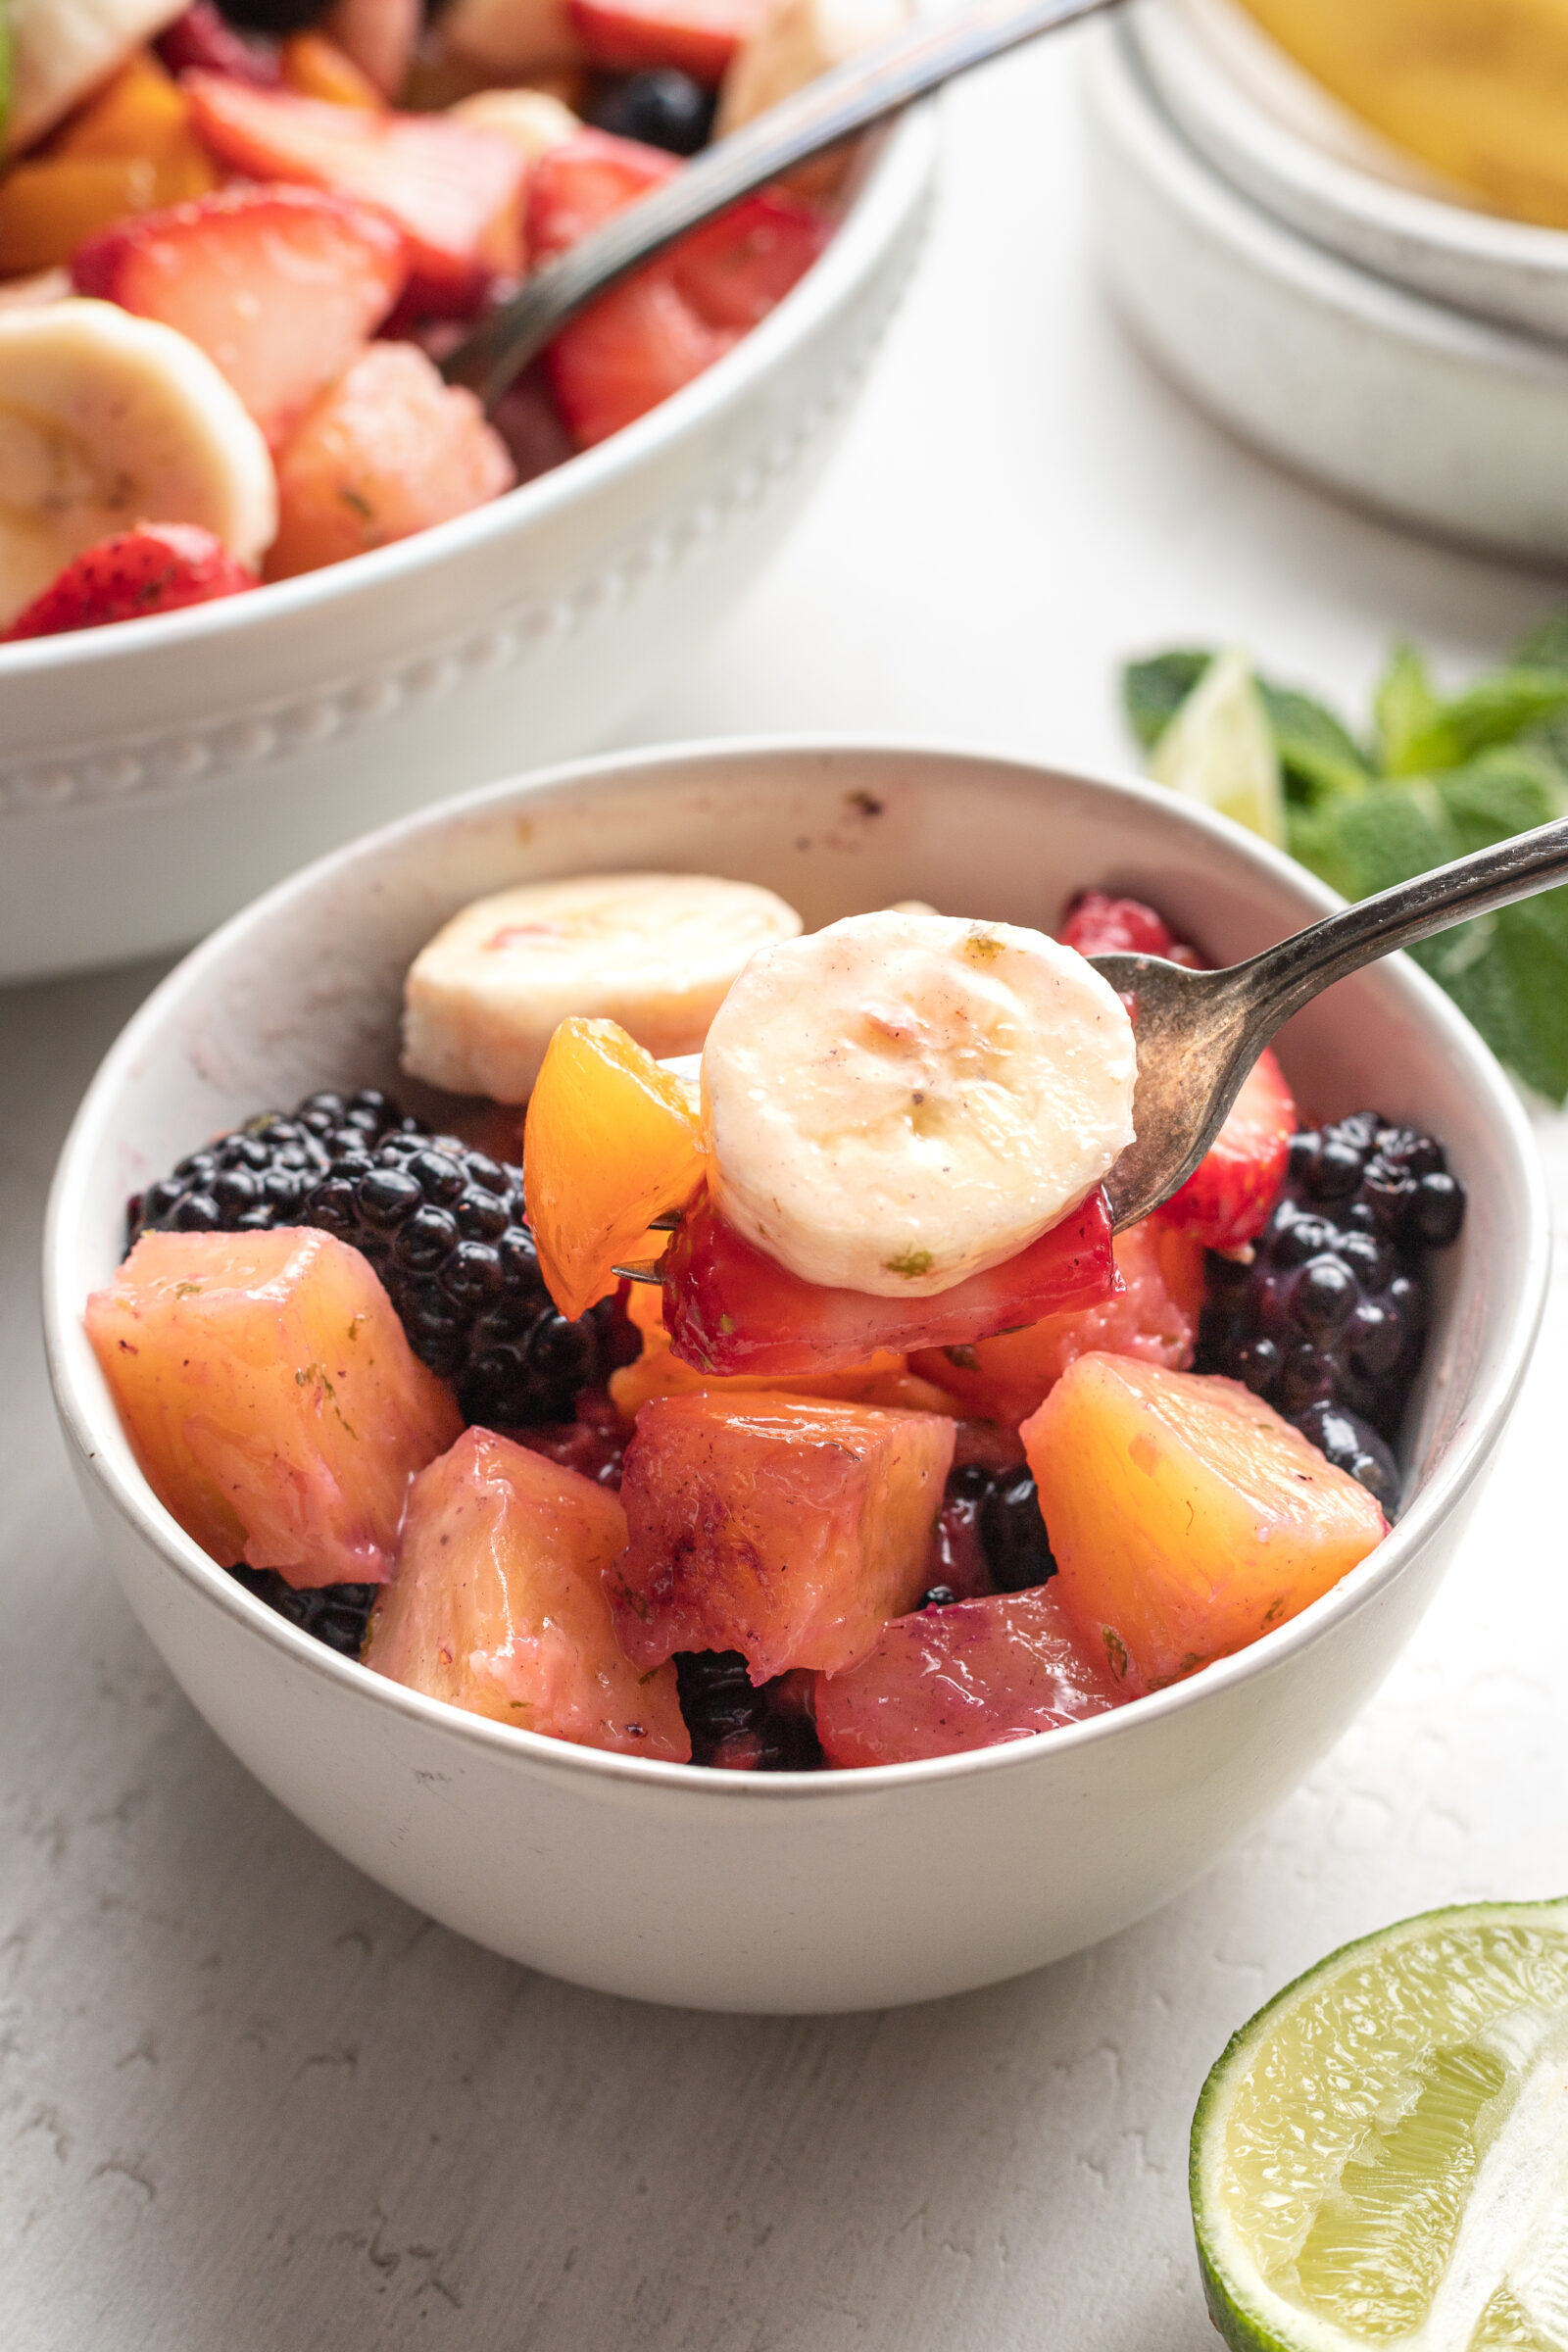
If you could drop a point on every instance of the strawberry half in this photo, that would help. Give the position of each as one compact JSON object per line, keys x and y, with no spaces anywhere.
{"x":203,"y":41}
{"x":646,"y":337}
{"x":282,"y":287}
{"x":735,"y":270}
{"x":729,"y":1308}
{"x":155,"y":569}
{"x":455,"y":190}
{"x":1226,"y":1201}
{"x":699,"y":36}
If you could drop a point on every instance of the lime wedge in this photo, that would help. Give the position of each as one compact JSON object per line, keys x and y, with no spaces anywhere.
{"x":1381,"y":2156}
{"x":1219,"y":749}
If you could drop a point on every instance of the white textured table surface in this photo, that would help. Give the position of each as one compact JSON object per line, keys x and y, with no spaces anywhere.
{"x":248,"y":2104}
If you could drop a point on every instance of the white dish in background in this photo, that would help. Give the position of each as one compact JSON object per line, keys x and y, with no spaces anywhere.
{"x":832,"y":1890}
{"x":1396,"y":401}
{"x":155,"y":775}
{"x":1284,"y":141}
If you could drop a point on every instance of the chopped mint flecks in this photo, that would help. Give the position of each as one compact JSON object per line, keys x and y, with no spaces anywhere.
{"x":1438,"y":778}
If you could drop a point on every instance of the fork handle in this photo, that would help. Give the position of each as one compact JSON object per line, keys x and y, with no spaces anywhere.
{"x":863,"y":90}
{"x":1284,"y":978}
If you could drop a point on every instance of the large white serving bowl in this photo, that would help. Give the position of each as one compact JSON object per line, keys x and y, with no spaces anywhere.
{"x":1397,"y":402}
{"x":154,"y":776}
{"x":1283,"y":140}
{"x":802,"y":1891}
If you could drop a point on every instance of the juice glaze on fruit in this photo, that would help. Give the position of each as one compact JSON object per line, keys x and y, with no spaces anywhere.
{"x":750,"y":1520}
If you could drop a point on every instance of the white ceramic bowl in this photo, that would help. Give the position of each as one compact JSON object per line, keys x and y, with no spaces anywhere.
{"x":155,"y":776}
{"x":1394,"y":400}
{"x":816,"y":1892}
{"x":1284,"y":141}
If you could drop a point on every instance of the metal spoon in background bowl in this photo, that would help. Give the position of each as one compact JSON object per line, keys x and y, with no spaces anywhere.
{"x":1200,"y":1032}
{"x":877,"y":83}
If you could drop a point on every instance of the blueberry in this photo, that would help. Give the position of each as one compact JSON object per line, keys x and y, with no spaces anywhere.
{"x":940,"y":1597}
{"x":664,"y":108}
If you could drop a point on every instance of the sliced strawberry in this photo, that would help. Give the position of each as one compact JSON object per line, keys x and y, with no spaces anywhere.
{"x":1098,"y":925}
{"x":699,"y":36}
{"x":203,"y":41}
{"x":579,"y":184}
{"x":1226,"y":1201}
{"x":387,"y":450}
{"x":155,"y":569}
{"x":455,"y":190}
{"x":646,"y":338}
{"x":630,"y":350}
{"x":731,"y":1309}
{"x":279,"y":286}
{"x":737,"y":268}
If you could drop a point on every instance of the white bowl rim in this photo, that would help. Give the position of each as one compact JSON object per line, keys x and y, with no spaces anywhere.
{"x":89,"y":1418}
{"x":1120,"y":82}
{"x":894,"y":182}
{"x":1293,"y":159}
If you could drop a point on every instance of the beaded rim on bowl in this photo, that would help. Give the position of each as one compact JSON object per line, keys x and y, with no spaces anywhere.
{"x":157,"y":762}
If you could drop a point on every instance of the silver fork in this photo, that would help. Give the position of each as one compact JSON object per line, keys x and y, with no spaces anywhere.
{"x":1200,"y":1032}
{"x":871,"y":86}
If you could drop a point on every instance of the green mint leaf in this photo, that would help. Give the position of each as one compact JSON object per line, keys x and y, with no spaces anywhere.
{"x":1498,"y":711}
{"x":1407,"y":706}
{"x":1545,"y":647}
{"x":1502,"y":793}
{"x":1366,"y":845}
{"x":1320,"y":760}
{"x":1154,"y":691}
{"x":1508,"y":973}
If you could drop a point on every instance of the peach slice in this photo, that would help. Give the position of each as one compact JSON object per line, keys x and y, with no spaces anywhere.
{"x":271,"y":1396}
{"x":782,"y":1527}
{"x":499,"y":1604}
{"x":611,"y":1143}
{"x":1186,"y":1517}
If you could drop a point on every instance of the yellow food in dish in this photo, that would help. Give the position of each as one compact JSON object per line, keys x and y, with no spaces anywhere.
{"x":1476,"y":89}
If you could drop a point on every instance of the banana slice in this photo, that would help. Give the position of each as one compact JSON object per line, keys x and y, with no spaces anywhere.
{"x":656,"y":953}
{"x":61,"y":49}
{"x":903,"y":1101}
{"x":107,"y":420}
{"x":794,"y":41}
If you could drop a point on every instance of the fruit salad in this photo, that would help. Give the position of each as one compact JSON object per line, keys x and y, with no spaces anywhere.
{"x":742,"y":1369}
{"x":237,"y":241}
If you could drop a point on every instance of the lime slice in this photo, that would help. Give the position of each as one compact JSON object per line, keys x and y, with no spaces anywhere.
{"x":1219,"y":749}
{"x":1381,"y":2156}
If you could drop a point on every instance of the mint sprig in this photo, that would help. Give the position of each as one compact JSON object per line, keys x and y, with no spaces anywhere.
{"x":1435,"y":778}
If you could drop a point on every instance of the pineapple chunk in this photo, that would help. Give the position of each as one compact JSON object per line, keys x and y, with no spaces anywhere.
{"x":270,"y":1394}
{"x":1187,"y":1518}
{"x":499,"y":1604}
{"x":783,"y":1527}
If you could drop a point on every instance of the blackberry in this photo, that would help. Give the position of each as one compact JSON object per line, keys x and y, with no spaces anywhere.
{"x":441,"y":1223}
{"x":1328,"y":1323}
{"x":1352,"y":1444}
{"x":738,"y":1728}
{"x":336,"y":1614}
{"x":664,"y":108}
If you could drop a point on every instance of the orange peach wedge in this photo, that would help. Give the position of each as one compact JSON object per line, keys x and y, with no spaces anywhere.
{"x":611,"y":1143}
